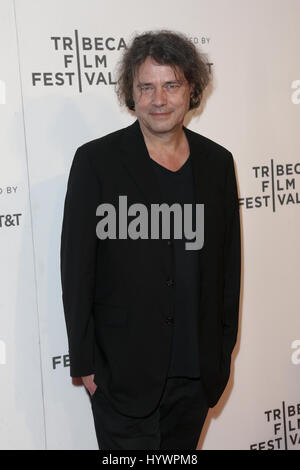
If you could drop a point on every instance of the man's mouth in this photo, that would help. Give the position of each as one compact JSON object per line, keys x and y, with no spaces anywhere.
{"x":156,"y":114}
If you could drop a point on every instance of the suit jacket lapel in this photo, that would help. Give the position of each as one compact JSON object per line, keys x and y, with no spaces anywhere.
{"x":138,"y":164}
{"x":199,"y":154}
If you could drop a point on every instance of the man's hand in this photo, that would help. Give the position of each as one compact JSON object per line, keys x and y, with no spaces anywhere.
{"x":88,"y":382}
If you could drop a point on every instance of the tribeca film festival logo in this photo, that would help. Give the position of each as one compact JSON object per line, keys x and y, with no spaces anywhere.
{"x":284,"y":421}
{"x":278,"y":186}
{"x":285,"y":424}
{"x":84,"y":61}
{"x":138,"y":227}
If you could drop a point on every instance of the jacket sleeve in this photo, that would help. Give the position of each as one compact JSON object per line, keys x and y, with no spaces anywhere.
{"x":78,"y":255}
{"x":232,"y":266}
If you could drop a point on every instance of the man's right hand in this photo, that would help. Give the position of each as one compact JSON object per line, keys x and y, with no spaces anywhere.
{"x":88,"y":382}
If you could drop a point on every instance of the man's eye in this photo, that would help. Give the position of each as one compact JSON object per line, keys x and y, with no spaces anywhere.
{"x":172,"y":86}
{"x":146,"y":87}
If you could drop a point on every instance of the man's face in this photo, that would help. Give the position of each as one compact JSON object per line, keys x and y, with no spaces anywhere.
{"x":161,"y":96}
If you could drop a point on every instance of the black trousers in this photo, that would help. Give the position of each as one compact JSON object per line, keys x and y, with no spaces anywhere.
{"x":176,"y":422}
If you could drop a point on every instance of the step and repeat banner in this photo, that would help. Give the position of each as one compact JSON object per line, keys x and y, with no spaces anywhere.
{"x":57,"y":76}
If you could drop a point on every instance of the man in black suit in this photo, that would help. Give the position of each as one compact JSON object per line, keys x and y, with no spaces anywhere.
{"x":151,"y":323}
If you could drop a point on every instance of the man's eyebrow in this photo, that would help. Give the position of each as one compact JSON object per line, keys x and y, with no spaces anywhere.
{"x":167,"y":82}
{"x":145,"y":83}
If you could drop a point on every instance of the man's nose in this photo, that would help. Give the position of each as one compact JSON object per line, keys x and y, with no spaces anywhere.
{"x":159,"y":96}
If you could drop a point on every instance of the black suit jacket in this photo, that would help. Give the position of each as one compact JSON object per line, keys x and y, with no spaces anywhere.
{"x":115,"y":291}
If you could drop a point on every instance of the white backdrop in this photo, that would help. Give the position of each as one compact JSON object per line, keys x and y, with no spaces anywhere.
{"x":56,"y":92}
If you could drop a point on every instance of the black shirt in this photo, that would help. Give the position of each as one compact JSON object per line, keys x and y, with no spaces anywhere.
{"x":178,"y":187}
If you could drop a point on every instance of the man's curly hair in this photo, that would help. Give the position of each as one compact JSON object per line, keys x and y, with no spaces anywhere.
{"x":166,"y":48}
